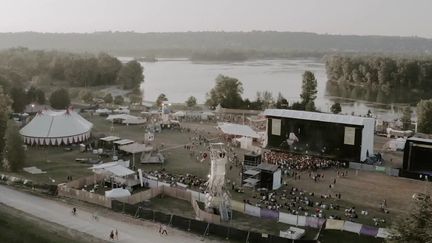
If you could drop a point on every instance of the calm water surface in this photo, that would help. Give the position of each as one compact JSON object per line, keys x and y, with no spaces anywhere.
{"x":181,"y":78}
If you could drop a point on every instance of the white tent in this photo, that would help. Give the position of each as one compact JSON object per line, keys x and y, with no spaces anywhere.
{"x":103,"y":111}
{"x":117,"y":193}
{"x":127,"y":119}
{"x":56,"y":128}
{"x":238,"y":130}
{"x":113,"y":169}
{"x":179,"y":114}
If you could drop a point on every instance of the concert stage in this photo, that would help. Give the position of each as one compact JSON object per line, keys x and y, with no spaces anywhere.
{"x":340,"y":137}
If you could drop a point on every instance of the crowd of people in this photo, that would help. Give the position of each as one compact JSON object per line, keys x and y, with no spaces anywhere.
{"x":190,"y":180}
{"x":299,"y":162}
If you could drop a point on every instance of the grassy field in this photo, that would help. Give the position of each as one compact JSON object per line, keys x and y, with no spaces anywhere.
{"x":364,"y":190}
{"x":16,"y":226}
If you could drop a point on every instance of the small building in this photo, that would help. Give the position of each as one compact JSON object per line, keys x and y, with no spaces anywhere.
{"x":264,"y":175}
{"x":417,"y":162}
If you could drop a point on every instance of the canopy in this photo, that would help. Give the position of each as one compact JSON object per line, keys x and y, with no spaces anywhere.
{"x":117,"y":193}
{"x":110,"y":138}
{"x":123,"y":142}
{"x":56,"y":128}
{"x":180,"y":114}
{"x":134,"y":148}
{"x":119,"y":170}
{"x":126,"y":119}
{"x":113,"y":168}
{"x":238,"y":130}
{"x":251,"y":172}
{"x":103,"y":111}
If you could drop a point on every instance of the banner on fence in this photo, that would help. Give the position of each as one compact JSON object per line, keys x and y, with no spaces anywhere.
{"x":369,"y":230}
{"x":334,"y":224}
{"x":352,"y":227}
{"x":269,"y":214}
{"x":252,"y":210}
{"x":301,"y":221}
{"x":238,"y":206}
{"x":288,"y":218}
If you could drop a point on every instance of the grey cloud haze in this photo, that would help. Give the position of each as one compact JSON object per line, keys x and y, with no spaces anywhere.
{"x":360,"y":17}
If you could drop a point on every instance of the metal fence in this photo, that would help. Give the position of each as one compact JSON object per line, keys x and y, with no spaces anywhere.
{"x":387,"y":170}
{"x":199,"y":227}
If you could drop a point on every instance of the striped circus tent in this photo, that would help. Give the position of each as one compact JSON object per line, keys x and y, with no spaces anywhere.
{"x":56,"y":128}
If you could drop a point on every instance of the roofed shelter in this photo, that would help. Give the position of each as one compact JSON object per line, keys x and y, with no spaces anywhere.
{"x":342,"y":137}
{"x":56,"y":128}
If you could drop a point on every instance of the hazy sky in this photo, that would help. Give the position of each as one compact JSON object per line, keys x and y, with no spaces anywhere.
{"x":371,"y":17}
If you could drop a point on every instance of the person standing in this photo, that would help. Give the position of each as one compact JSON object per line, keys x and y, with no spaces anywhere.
{"x":116,"y":234}
{"x":111,"y":235}
{"x":164,"y":230}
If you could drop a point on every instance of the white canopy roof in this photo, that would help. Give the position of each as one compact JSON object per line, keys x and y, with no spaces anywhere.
{"x":113,"y":168}
{"x":109,"y":164}
{"x":317,"y":116}
{"x":117,"y":193}
{"x":126,"y":119}
{"x":104,"y":110}
{"x":56,"y":127}
{"x":119,"y":170}
{"x":252,"y":172}
{"x":110,"y":138}
{"x":180,"y":113}
{"x":134,"y":148}
{"x":124,"y":142}
{"x":238,"y":130}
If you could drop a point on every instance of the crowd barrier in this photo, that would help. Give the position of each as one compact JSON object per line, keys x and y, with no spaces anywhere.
{"x":73,"y":189}
{"x":297,"y":220}
{"x":158,"y":188}
{"x":65,"y":191}
{"x":89,"y":180}
{"x":205,"y":216}
{"x":144,"y":195}
{"x":366,"y":167}
{"x":203,"y":228}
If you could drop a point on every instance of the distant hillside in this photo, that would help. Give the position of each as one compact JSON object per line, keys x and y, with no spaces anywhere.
{"x":186,"y":44}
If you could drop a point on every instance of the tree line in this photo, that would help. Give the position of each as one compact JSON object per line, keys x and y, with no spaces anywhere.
{"x":228,"y":91}
{"x":381,"y":72}
{"x":271,"y":44}
{"x":20,"y":66}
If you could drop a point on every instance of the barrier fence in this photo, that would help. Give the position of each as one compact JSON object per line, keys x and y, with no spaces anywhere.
{"x":297,"y":220}
{"x":199,"y":227}
{"x":366,"y":167}
{"x":129,"y":206}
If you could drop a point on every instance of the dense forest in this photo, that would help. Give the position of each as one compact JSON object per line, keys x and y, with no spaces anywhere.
{"x":224,"y":55}
{"x":21,"y":67}
{"x":255,"y":44}
{"x":390,"y":72}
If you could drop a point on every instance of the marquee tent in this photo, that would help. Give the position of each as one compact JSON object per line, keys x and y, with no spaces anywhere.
{"x":237,"y":130}
{"x":56,"y":128}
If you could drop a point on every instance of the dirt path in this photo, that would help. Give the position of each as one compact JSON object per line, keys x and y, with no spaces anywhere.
{"x":60,"y":213}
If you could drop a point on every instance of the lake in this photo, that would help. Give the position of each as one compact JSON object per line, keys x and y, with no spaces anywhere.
{"x":181,"y":78}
